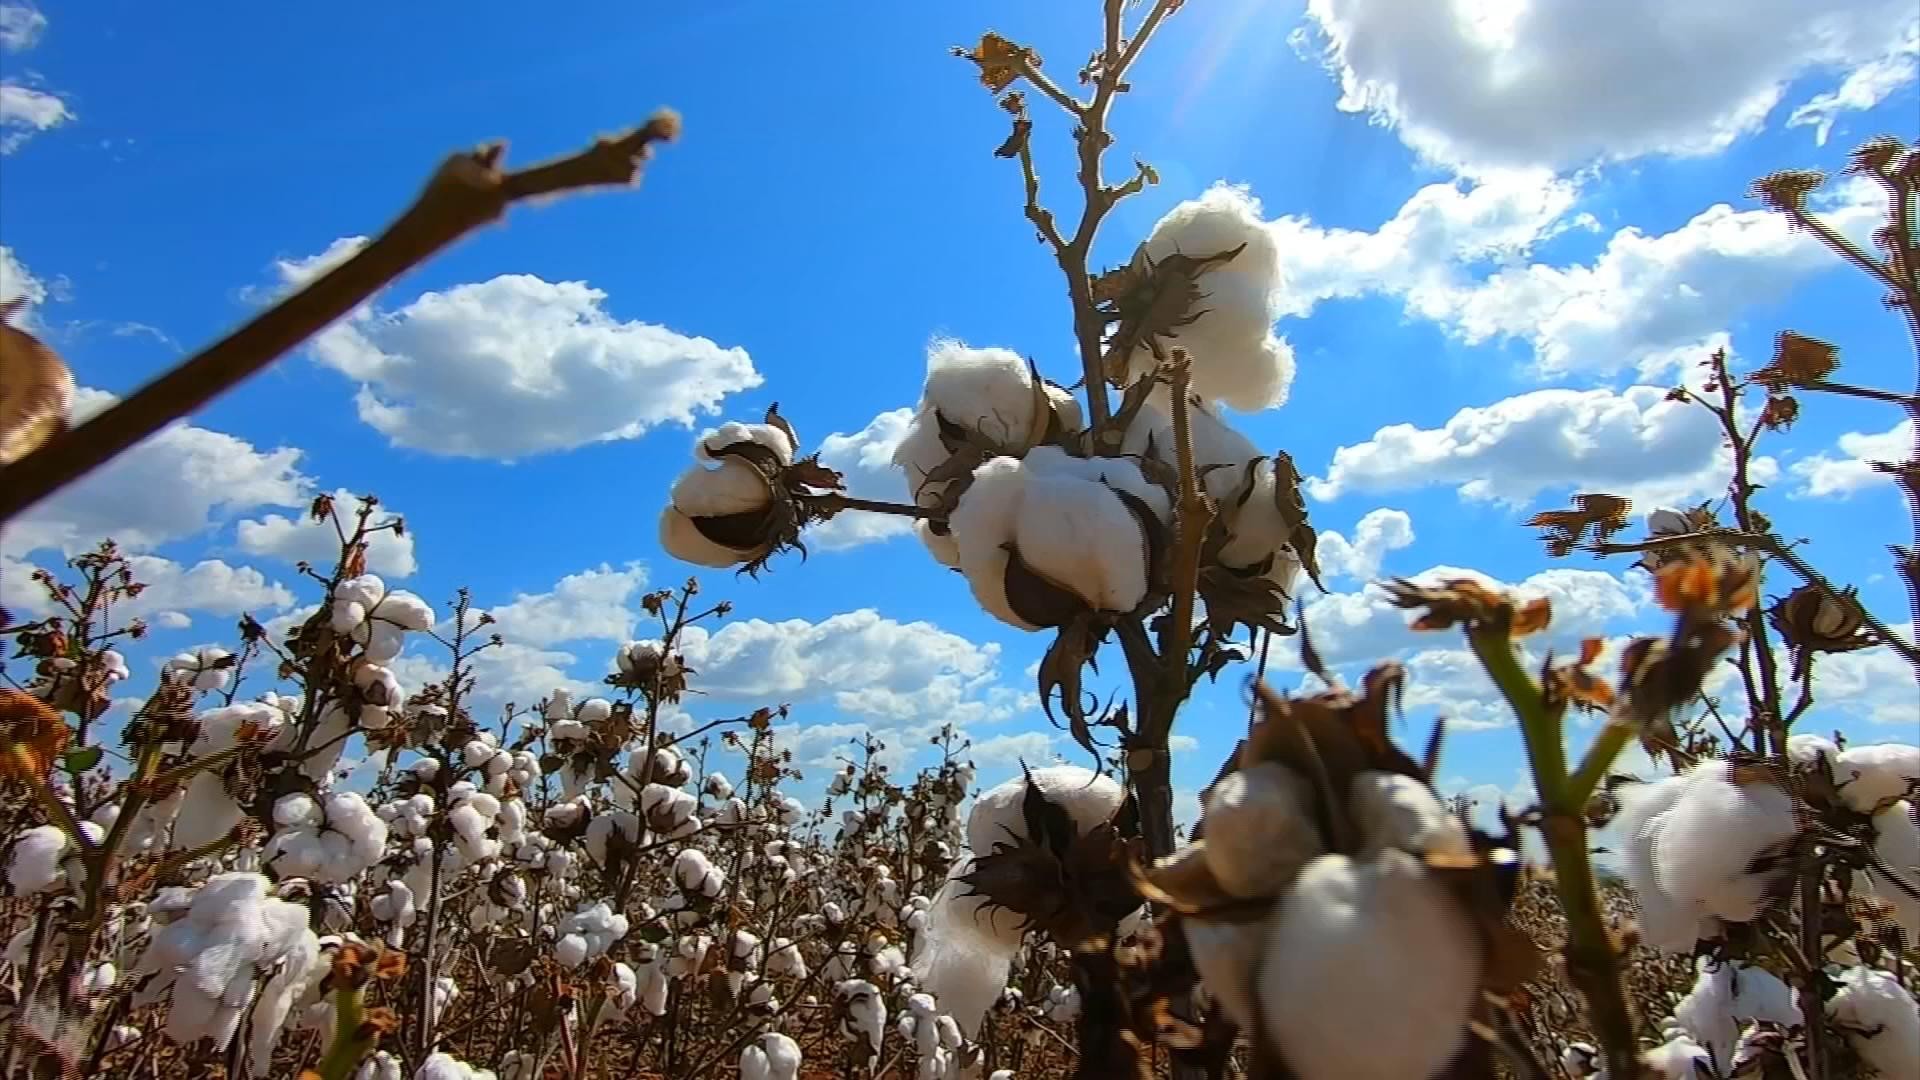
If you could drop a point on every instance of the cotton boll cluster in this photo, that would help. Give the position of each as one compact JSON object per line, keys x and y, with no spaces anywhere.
{"x":933,"y":1036}
{"x":1236,"y":357}
{"x":377,"y":618}
{"x":984,"y":398}
{"x":1692,"y":846}
{"x":332,"y":838}
{"x":212,"y":962}
{"x":1043,"y":536}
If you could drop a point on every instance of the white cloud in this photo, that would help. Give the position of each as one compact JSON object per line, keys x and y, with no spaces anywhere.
{"x":516,"y":366}
{"x":21,"y":25}
{"x":1632,"y":442}
{"x":25,"y":112}
{"x":1646,"y":301}
{"x":166,"y":488}
{"x":593,"y":605}
{"x":1363,"y":626}
{"x":865,"y":458}
{"x":1374,"y":536}
{"x":174,"y":592}
{"x":1562,"y":83}
{"x":1827,"y":476}
{"x":843,"y":655}
{"x":1034,"y":748}
{"x":16,"y":281}
{"x":1864,"y":87}
{"x":299,"y":538}
{"x":1422,"y":251}
{"x":1876,"y":684}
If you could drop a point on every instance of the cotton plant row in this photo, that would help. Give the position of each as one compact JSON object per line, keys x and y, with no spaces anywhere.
{"x":576,"y":854}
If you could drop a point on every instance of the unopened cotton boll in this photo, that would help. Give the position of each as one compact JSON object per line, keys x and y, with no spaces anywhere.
{"x":1236,"y":357}
{"x":1366,"y":940}
{"x":1260,"y":829}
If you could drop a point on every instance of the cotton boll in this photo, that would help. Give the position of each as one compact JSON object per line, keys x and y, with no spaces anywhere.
{"x":731,"y":487}
{"x":1808,"y":750}
{"x":1726,"y":998}
{"x":772,"y":1056}
{"x":966,"y":953}
{"x":1227,"y":958}
{"x":33,"y":865}
{"x":441,"y":1065}
{"x":1396,"y":810}
{"x":1872,"y":775}
{"x":1666,"y":922}
{"x":1897,"y":845}
{"x":1880,"y":1019}
{"x":1260,"y":829}
{"x":733,"y":433}
{"x":1714,"y":832}
{"x":379,"y":1066}
{"x":205,"y":668}
{"x":333,"y":841}
{"x":1680,"y":1058}
{"x":866,"y":1013}
{"x":1236,"y":357}
{"x":1371,"y":939}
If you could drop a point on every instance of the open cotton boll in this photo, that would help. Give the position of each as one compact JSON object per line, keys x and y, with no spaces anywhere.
{"x":966,"y":952}
{"x":1897,"y":845}
{"x":1355,"y":942}
{"x":1711,"y":836}
{"x":211,"y":960}
{"x":1066,"y":521}
{"x":1666,"y":922}
{"x":207,"y":812}
{"x":1872,"y":775}
{"x":1880,"y":1018}
{"x":772,"y":1056}
{"x":733,"y":432}
{"x":441,"y":1065}
{"x":1260,"y":829}
{"x":1396,"y":810}
{"x":1725,"y":998}
{"x":730,"y":487}
{"x":1227,"y":958}
{"x":1236,"y":357}
{"x":33,"y":864}
{"x":332,"y":840}
{"x":1679,"y":1058}
{"x":1807,"y":749}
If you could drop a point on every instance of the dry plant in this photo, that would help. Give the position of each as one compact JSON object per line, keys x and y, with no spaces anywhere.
{"x":577,"y":889}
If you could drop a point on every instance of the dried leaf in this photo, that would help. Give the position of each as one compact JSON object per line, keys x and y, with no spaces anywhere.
{"x":1798,"y":360}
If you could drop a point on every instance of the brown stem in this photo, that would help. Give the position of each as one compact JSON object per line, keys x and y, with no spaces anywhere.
{"x":1193,"y":515}
{"x":469,"y":190}
{"x":837,"y":502}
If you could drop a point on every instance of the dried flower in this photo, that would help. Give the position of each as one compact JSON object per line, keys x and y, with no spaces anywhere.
{"x":33,"y":735}
{"x":1471,"y":604}
{"x":1713,"y":581}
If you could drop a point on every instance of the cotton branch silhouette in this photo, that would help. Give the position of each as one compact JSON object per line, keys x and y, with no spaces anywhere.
{"x":469,"y":190}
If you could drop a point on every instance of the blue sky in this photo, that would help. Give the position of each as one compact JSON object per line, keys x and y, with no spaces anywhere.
{"x":1475,"y":203}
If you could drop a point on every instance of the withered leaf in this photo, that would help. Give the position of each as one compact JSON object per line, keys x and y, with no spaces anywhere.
{"x":1798,"y":360}
{"x":999,"y":60}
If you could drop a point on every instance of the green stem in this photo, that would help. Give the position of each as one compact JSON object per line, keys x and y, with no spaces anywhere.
{"x":1600,"y":757}
{"x":348,"y":1048}
{"x":1593,"y":962}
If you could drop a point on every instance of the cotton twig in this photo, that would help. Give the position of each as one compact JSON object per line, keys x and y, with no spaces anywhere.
{"x":468,"y":190}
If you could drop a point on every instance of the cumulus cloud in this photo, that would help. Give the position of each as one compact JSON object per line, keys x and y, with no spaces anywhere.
{"x":169,"y":487}
{"x":299,"y":538}
{"x":26,"y":112}
{"x":174,"y":591}
{"x":1564,"y":83}
{"x":1633,"y":442}
{"x":517,"y":365}
{"x":865,"y":459}
{"x":1374,"y":536}
{"x":842,"y":655}
{"x":1864,"y":87}
{"x":1007,"y":752}
{"x":1644,"y":302}
{"x":592,"y":605}
{"x":21,"y":25}
{"x":1363,"y":626}
{"x":17,"y":282}
{"x":1827,"y":476}
{"x":1875,"y":684}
